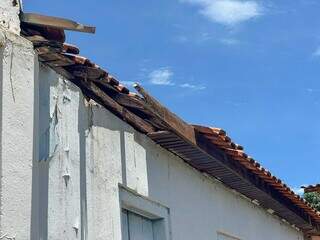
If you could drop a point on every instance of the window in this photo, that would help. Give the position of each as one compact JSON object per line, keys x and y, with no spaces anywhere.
{"x":136,"y":227}
{"x":143,"y":218}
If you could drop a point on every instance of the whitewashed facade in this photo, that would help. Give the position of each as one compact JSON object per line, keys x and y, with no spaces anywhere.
{"x":70,"y":169}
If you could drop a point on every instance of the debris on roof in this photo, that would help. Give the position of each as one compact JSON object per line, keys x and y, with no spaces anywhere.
{"x":208,"y":149}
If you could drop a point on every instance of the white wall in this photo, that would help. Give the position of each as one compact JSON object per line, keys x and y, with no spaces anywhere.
{"x":86,"y":151}
{"x":9,"y":15}
{"x":18,"y":107}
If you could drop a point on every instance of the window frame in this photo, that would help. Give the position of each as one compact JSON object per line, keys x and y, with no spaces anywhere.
{"x":221,"y":233}
{"x":158,"y":213}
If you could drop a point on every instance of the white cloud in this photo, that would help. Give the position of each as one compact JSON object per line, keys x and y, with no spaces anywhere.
{"x":181,"y":39}
{"x":313,"y":90}
{"x":161,"y":76}
{"x":191,"y":86}
{"x":298,"y":190}
{"x":205,"y":36}
{"x":316,"y":53}
{"x":229,"y":41}
{"x":228,"y":12}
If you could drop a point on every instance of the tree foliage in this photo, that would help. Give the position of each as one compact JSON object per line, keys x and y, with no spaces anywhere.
{"x":314,"y":199}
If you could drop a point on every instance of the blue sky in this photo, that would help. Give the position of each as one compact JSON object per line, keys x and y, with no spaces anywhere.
{"x":250,"y":67}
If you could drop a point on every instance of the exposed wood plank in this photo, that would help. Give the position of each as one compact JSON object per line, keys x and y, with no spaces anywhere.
{"x":94,"y":92}
{"x":63,"y":72}
{"x":172,"y":121}
{"x":50,"y":57}
{"x":123,"y":99}
{"x":82,"y":71}
{"x":209,"y":130}
{"x":39,"y":41}
{"x":47,"y":50}
{"x":69,"y":48}
{"x":60,"y":23}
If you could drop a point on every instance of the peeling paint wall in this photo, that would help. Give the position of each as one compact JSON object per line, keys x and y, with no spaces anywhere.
{"x":86,"y":151}
{"x":18,"y":107}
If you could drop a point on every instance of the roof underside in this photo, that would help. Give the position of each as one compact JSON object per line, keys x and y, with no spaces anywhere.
{"x":209,"y":150}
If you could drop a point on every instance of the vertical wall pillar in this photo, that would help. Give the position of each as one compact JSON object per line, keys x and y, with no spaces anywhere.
{"x":18,"y":108}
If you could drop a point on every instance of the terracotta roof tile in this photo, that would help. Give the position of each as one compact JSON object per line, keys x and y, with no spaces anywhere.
{"x":260,"y":171}
{"x":312,"y":188}
{"x":69,"y":48}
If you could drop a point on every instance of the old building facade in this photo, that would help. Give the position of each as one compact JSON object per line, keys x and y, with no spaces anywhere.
{"x":75,"y":168}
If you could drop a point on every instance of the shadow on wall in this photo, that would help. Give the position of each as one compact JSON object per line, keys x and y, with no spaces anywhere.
{"x":88,"y":117}
{"x":83,"y":127}
{"x":40,"y":171}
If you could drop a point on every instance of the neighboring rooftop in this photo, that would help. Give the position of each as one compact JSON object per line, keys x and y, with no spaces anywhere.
{"x":208,"y":149}
{"x":312,"y":188}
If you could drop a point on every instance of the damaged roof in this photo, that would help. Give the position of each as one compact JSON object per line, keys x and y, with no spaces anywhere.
{"x":208,"y":149}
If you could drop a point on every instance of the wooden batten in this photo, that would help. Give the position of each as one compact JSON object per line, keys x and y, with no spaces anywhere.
{"x":173,"y":122}
{"x":94,"y":92}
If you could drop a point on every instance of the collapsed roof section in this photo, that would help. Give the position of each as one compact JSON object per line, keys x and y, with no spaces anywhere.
{"x":209,"y":150}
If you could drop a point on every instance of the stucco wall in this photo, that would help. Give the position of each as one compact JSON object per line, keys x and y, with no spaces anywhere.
{"x":9,"y":15}
{"x":18,"y":108}
{"x":86,"y":152}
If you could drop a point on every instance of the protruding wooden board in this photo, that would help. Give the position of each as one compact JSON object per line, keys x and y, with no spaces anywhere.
{"x":55,"y":22}
{"x":172,"y":121}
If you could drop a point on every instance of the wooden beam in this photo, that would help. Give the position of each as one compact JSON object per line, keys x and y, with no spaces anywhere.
{"x":86,"y":72}
{"x":39,"y":41}
{"x":134,"y":103}
{"x":122,"y":98}
{"x":55,"y":22}
{"x":55,"y":60}
{"x":172,"y":121}
{"x":94,"y":92}
{"x":63,"y":72}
